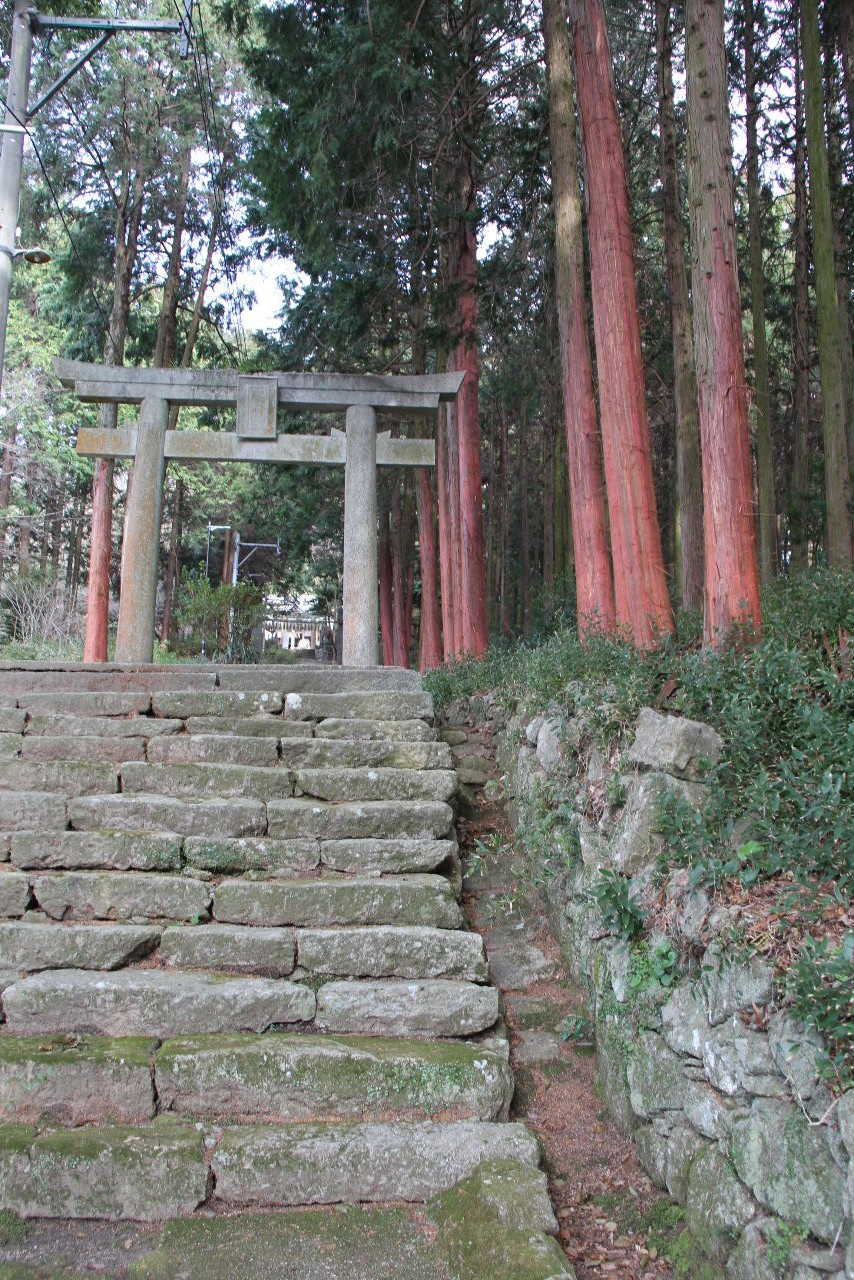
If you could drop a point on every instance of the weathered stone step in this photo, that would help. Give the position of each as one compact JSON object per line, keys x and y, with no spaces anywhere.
{"x":247,"y":726}
{"x":167,"y":813}
{"x":268,"y":952}
{"x":121,"y":895}
{"x":70,"y":777}
{"x":15,"y":894}
{"x":290,"y":1077}
{"x":385,"y":857}
{"x":181,"y":703}
{"x":24,"y":810}
{"x":326,"y":1164}
{"x":409,"y":900}
{"x":151,"y":1002}
{"x":361,"y":706}
{"x":134,"y":726}
{"x":376,"y":784}
{"x":70,"y":1080}
{"x":111,"y":750}
{"x":286,"y":858}
{"x":108,"y":703}
{"x":214,"y":748}
{"x":103,"y":679}
{"x":393,"y":951}
{"x":360,"y":729}
{"x":317,"y":678}
{"x":11,"y":720}
{"x":95,"y":850}
{"x":139,"y":1173}
{"x":422,"y":1007}
{"x":206,"y":781}
{"x":383,"y":819}
{"x":29,"y":948}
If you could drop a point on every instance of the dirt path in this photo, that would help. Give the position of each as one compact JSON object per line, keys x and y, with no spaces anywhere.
{"x":613,"y":1222}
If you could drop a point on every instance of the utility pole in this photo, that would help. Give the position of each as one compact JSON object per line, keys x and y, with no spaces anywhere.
{"x":12,"y":157}
{"x":26,"y":23}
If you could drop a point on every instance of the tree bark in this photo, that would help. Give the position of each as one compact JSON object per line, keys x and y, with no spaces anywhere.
{"x":7,"y":466}
{"x":799,"y":487}
{"x":386,"y":612}
{"x":549,"y":503}
{"x":846,"y":42}
{"x":524,"y":531}
{"x":640,"y":584}
{"x":593,"y":578}
{"x":689,"y":476}
{"x":430,"y":654}
{"x":732,"y":586}
{"x":172,"y":562}
{"x":837,"y":483}
{"x":128,"y":220}
{"x":767,"y":545}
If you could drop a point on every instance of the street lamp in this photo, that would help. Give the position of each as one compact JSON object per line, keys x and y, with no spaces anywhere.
{"x":36,"y":255}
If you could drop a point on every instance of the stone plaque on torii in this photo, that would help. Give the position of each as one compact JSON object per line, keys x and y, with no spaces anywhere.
{"x":257,"y":399}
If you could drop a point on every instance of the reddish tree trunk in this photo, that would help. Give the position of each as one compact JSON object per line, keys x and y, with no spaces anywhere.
{"x":475,"y":631}
{"x":98,"y":598}
{"x":640,"y":584}
{"x":446,"y":466}
{"x":732,"y":587}
{"x":430,"y":654}
{"x":386,"y":613}
{"x":524,"y":531}
{"x":593,"y":579}
{"x":799,"y":481}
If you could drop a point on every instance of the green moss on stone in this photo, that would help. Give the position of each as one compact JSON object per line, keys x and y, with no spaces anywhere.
{"x":690,"y":1262}
{"x":135,"y":1051}
{"x":13,"y":1230}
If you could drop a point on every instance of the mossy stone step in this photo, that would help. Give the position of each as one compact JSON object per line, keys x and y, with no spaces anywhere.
{"x":105,"y":703}
{"x":71,"y":678}
{"x":414,"y":705}
{"x":371,"y":1162}
{"x":316,"y":678}
{"x":12,"y":720}
{"x":198,"y":782}
{"x":28,"y":810}
{"x":418,"y":1007}
{"x":377,"y":819}
{"x":10,"y":746}
{"x":80,"y":726}
{"x":71,"y":1080}
{"x":70,"y":777}
{"x":385,"y":857}
{"x":121,"y":895}
{"x":416,"y":899}
{"x":141,"y":1173}
{"x":393,"y":951}
{"x":245,"y":726}
{"x":337,"y":784}
{"x":290,"y":858}
{"x":168,"y":813}
{"x":29,"y":948}
{"x":361,"y":729}
{"x":109,"y":750}
{"x":15,"y":893}
{"x":96,"y":851}
{"x":180,"y":703}
{"x":289,"y":1077}
{"x":151,"y":1002}
{"x":214,"y":748}
{"x":229,"y":948}
{"x":351,"y":753}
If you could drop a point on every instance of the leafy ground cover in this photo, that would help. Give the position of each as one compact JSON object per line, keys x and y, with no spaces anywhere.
{"x":777,"y":836}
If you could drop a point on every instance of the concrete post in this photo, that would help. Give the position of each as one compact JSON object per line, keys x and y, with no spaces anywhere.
{"x":135,"y":636}
{"x":361,"y":606}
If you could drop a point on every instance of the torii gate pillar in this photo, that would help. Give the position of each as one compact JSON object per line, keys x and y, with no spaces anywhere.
{"x":135,"y":631}
{"x":361,"y":610}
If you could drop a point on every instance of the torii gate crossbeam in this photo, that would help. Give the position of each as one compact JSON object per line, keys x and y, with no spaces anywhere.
{"x":257,"y":398}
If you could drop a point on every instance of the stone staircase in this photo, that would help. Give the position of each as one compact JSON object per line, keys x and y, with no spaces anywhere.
{"x":235,"y":973}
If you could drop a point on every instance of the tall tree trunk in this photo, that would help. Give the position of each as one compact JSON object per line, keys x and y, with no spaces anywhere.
{"x":524,"y":532}
{"x":593,"y":579}
{"x":446,"y":564}
{"x":475,"y":632}
{"x":837,"y":483}
{"x":57,"y":523}
{"x":7,"y":466}
{"x":846,"y":41}
{"x":164,"y":350}
{"x":504,"y":587}
{"x":430,"y":655}
{"x":548,"y":472}
{"x":767,"y":547}
{"x":172,"y":562}
{"x":127,"y":225}
{"x":799,"y":487}
{"x":837,"y":195}
{"x":640,"y":584}
{"x":689,"y":476}
{"x":400,"y":558}
{"x":732,"y":586}
{"x":385,"y":569}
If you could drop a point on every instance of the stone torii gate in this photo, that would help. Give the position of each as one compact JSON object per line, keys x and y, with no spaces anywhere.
{"x":257,"y":398}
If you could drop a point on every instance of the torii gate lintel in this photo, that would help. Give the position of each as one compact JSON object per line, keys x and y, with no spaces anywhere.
{"x":257,"y":398}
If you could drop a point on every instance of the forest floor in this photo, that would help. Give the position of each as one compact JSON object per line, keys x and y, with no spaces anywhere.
{"x":613,"y":1221}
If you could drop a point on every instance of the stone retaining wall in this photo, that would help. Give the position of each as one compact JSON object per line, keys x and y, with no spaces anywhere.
{"x":719,"y":1088}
